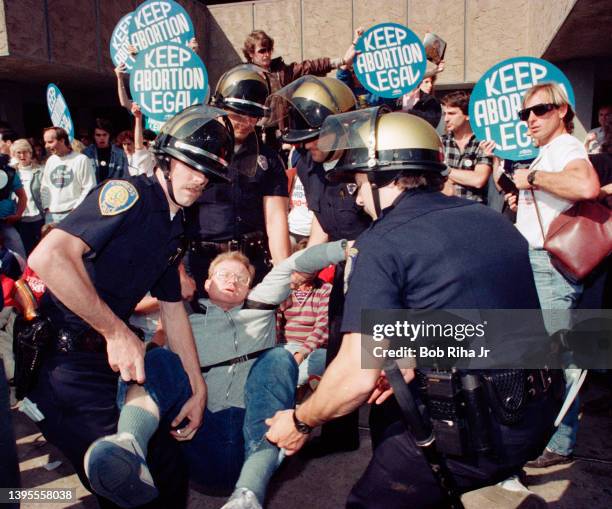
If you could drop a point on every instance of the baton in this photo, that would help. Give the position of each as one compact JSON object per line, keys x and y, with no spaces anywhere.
{"x":422,"y":431}
{"x":572,"y":393}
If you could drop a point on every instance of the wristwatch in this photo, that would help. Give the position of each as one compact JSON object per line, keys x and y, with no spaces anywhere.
{"x":302,"y":427}
{"x":531,"y":178}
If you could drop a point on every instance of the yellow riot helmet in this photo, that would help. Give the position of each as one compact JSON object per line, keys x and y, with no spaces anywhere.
{"x":302,"y":106}
{"x":381,"y":143}
{"x":243,"y":89}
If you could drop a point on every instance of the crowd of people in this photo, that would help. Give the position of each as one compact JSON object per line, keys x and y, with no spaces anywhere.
{"x":190,"y":283}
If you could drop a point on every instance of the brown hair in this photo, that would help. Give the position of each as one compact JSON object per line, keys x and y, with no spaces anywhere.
{"x":251,"y":41}
{"x":60,"y":134}
{"x":458,"y":99}
{"x":124,"y":137}
{"x":235,"y":256}
{"x":558,"y":97}
{"x":431,"y":181}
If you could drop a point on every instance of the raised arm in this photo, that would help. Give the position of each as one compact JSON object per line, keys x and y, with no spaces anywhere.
{"x":275,"y":287}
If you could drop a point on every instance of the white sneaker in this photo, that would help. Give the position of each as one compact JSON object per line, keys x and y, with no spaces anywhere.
{"x":242,"y":498}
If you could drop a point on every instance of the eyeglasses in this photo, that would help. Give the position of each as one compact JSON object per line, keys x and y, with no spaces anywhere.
{"x":227,"y":277}
{"x":263,"y":51}
{"x":538,"y":110}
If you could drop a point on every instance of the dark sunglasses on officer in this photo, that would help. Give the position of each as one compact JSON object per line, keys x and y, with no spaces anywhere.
{"x":538,"y":110}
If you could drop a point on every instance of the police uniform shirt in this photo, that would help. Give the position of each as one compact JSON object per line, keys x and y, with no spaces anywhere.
{"x":227,"y":211}
{"x":133,"y":243}
{"x":429,"y":251}
{"x":333,"y":204}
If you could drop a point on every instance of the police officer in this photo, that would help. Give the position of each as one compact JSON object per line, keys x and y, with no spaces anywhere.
{"x":248,"y":214}
{"x":306,"y":103}
{"x":425,"y":251}
{"x":121,"y":242}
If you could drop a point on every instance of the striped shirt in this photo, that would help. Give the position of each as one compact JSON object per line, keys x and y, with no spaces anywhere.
{"x":306,"y":320}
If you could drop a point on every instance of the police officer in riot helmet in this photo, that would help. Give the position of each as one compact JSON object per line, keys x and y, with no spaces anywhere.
{"x":250,"y":213}
{"x":300,"y":109}
{"x":124,"y":240}
{"x":423,"y":251}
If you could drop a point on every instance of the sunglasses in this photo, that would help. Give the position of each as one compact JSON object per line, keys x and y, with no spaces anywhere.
{"x":538,"y":111}
{"x":262,"y":51}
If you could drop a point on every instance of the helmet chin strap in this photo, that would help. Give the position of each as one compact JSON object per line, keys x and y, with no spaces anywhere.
{"x":170,"y":189}
{"x":376,"y":198}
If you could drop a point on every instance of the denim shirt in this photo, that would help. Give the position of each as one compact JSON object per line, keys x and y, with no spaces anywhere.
{"x":117,"y":165}
{"x":222,"y":335}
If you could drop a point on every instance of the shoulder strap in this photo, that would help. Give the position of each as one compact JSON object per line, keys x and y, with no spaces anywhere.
{"x":262,"y":306}
{"x":198,"y":308}
{"x":535,"y":203}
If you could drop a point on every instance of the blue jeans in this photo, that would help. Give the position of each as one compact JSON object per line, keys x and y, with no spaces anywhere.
{"x":557,"y":293}
{"x":219,"y":448}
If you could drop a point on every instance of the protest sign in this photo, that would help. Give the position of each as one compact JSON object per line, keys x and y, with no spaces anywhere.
{"x":496,"y":101}
{"x":154,"y":125}
{"x":166,"y":79}
{"x":392,"y":60}
{"x":58,"y":110}
{"x":120,"y":41}
{"x":157,"y":21}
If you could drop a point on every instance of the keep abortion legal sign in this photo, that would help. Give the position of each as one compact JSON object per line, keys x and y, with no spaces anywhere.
{"x":119,"y":42}
{"x":157,"y":21}
{"x":497,"y":98}
{"x":391,"y":61}
{"x":58,"y":110}
{"x":166,"y":79}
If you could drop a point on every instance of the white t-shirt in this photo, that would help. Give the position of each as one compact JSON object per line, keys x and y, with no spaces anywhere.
{"x":141,"y":161}
{"x":66,"y":181}
{"x":300,"y":218}
{"x":27,"y":175}
{"x":552,"y":158}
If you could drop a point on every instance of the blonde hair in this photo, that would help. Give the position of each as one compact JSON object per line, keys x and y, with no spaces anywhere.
{"x":234,"y":256}
{"x":21,"y":145}
{"x":78,"y":146}
{"x":557,"y":96}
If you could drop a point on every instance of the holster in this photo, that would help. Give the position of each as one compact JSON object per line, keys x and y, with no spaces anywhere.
{"x":463,"y":406}
{"x":31,"y":340}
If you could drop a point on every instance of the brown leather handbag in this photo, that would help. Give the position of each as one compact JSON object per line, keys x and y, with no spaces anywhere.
{"x":579,"y":239}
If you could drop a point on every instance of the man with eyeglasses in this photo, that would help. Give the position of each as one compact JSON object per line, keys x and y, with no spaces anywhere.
{"x":247,"y":380}
{"x":560,"y":175}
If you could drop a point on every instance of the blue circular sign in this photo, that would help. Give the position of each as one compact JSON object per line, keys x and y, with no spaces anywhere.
{"x":58,"y":110}
{"x":166,"y":79}
{"x":497,"y":98}
{"x":392,"y":61}
{"x":120,"y":41}
{"x":157,"y":21}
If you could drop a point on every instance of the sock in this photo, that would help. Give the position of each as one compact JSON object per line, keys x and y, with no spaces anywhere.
{"x":138,"y":422}
{"x":257,"y":470}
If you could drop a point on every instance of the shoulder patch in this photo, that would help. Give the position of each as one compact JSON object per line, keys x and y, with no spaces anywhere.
{"x":117,"y":196}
